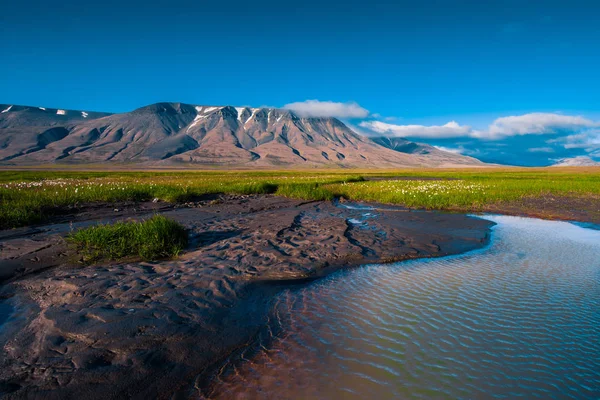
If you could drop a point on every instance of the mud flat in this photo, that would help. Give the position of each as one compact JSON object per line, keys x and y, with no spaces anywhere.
{"x":159,"y":329}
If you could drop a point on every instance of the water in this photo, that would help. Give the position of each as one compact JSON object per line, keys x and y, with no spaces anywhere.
{"x":520,"y":318}
{"x":5,"y":312}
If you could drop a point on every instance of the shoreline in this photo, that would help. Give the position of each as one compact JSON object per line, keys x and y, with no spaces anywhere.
{"x":313,"y":354}
{"x":206,"y":381}
{"x":161,"y":328}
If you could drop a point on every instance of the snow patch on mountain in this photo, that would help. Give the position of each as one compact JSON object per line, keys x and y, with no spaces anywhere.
{"x":240,"y":111}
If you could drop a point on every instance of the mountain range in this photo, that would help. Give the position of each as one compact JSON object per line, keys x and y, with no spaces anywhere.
{"x":177,"y":134}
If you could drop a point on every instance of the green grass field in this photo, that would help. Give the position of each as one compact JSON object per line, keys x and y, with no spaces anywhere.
{"x":29,"y":197}
{"x":473,"y":191}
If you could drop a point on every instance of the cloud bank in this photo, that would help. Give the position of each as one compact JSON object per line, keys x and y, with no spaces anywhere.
{"x":536,"y":123}
{"x":526,"y":124}
{"x":316,"y":108}
{"x":449,"y":130}
{"x":588,"y":140}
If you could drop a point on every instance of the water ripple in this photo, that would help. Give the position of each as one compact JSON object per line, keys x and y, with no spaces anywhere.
{"x":520,"y":319}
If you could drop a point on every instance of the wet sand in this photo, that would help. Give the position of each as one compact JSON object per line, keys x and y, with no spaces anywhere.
{"x":160,"y":329}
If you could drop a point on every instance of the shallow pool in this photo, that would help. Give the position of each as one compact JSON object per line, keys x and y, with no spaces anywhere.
{"x":520,"y":318}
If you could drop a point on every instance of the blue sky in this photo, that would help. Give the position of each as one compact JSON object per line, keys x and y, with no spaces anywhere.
{"x":419,"y":63}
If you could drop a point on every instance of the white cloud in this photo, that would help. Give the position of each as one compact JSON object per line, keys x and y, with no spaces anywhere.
{"x":526,"y":124}
{"x":459,"y":149}
{"x":449,"y":130}
{"x":535,"y":123}
{"x":541,"y":150}
{"x":588,"y":140}
{"x":454,"y":150}
{"x":316,"y":108}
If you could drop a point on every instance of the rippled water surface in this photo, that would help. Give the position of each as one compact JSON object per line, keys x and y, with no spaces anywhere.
{"x":518,"y":319}
{"x":5,"y":311}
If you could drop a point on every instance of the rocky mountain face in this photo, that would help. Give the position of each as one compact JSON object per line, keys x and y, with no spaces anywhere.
{"x":25,"y":130}
{"x":181,"y":134}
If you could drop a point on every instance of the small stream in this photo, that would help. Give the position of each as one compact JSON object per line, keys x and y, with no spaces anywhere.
{"x":518,"y":319}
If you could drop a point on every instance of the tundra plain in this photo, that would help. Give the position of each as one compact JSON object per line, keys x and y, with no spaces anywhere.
{"x":139,"y":318}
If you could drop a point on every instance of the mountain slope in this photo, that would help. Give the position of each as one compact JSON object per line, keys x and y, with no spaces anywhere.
{"x":25,"y":129}
{"x":405,"y":146}
{"x":579,"y":161}
{"x":12,"y":116}
{"x":182,"y":134}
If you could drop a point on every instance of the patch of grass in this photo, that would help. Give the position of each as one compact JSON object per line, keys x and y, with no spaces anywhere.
{"x":305,"y":191}
{"x":154,"y":238}
{"x":312,"y":190}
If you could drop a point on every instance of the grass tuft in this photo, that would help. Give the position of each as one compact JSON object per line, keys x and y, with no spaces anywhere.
{"x":154,"y":238}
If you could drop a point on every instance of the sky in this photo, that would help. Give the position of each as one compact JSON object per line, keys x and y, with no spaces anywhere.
{"x":505,"y":81}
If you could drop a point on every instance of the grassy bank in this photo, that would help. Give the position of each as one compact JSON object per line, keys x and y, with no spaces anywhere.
{"x":474,"y":191}
{"x":155,"y":238}
{"x":28,"y":197}
{"x":33,"y":197}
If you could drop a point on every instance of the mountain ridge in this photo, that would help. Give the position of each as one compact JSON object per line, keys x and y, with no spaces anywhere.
{"x":163,"y":134}
{"x":578,"y":161}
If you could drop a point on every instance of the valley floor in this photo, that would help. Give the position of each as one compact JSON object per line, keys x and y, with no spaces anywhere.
{"x":151,"y":329}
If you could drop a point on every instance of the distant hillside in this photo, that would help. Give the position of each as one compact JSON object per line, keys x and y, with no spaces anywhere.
{"x":408,"y":147}
{"x":183,"y":134}
{"x":580,"y":161}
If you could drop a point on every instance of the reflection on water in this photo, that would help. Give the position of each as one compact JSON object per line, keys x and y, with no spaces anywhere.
{"x":5,"y":312}
{"x":518,"y":319}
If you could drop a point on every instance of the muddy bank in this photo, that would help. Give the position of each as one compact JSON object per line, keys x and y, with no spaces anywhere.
{"x":154,"y":329}
{"x":566,"y":208}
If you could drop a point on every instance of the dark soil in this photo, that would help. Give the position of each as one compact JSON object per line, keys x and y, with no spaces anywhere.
{"x":568,"y":208}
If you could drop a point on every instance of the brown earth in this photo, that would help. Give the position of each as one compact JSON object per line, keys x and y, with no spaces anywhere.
{"x":567,"y":208}
{"x":157,"y":329}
